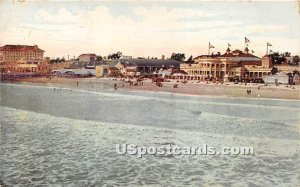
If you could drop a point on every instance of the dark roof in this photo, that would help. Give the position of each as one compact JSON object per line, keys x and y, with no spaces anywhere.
{"x":237,"y":51}
{"x":21,"y":48}
{"x":239,"y":55}
{"x":88,"y":54}
{"x":96,"y":63}
{"x":128,"y":63}
{"x":149,"y":62}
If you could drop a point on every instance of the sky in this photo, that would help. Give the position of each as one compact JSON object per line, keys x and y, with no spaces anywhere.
{"x":150,"y":28}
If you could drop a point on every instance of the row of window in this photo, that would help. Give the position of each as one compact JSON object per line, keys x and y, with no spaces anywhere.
{"x":213,"y":65}
{"x":247,"y":74}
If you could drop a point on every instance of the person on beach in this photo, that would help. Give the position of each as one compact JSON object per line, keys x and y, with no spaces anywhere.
{"x":115,"y":86}
{"x":77,"y":83}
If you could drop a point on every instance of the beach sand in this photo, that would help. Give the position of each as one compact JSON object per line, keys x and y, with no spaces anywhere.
{"x":191,"y":87}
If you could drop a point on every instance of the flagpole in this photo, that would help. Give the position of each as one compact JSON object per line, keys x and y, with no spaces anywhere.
{"x":267,"y":49}
{"x":208,"y":48}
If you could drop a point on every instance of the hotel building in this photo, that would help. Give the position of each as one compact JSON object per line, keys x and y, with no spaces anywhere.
{"x":22,"y":58}
{"x":233,"y":65}
{"x":16,"y":53}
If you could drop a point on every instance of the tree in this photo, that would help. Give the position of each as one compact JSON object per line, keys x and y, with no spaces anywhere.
{"x":62,"y":60}
{"x":99,"y":58}
{"x":178,"y":56}
{"x":116,"y":55}
{"x":190,"y":60}
{"x":52,"y":61}
{"x":287,"y":54}
{"x":47,"y":59}
{"x":279,"y":58}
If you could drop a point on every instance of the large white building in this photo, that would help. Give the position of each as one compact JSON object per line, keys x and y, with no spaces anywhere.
{"x":232,"y":65}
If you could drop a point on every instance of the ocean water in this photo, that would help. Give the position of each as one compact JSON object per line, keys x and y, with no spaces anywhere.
{"x":68,"y":137}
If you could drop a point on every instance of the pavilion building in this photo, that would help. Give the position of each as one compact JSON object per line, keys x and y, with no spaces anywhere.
{"x":232,"y":65}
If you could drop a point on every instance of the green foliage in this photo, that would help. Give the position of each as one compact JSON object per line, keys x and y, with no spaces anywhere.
{"x":178,"y":56}
{"x":116,"y":55}
{"x":99,"y":58}
{"x":190,"y":60}
{"x":279,"y":58}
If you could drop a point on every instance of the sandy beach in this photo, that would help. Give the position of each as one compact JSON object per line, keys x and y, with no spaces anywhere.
{"x":191,"y":88}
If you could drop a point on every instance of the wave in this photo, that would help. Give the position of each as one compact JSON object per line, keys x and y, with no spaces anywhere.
{"x":41,"y":149}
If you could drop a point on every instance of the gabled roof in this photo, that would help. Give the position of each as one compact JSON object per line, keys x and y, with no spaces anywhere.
{"x":238,"y":55}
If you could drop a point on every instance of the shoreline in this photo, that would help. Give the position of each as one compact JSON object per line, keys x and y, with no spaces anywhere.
{"x":192,"y":88}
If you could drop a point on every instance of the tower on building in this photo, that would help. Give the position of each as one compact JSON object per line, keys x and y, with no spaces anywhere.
{"x":266,"y":61}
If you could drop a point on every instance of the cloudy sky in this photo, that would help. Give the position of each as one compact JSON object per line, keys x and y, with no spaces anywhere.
{"x":144,"y":28}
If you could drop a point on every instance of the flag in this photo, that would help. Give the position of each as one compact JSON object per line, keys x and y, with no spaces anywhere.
{"x":229,"y":45}
{"x":271,"y":51}
{"x":252,"y":51}
{"x":247,"y":40}
{"x":268,"y":44}
{"x":210,"y":46}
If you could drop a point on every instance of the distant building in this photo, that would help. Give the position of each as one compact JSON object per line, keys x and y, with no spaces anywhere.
{"x":144,"y":66}
{"x":102,"y":70}
{"x":87,"y":57}
{"x":285,"y":68}
{"x":15,"y":53}
{"x":105,"y":70}
{"x":73,"y":72}
{"x":230,"y":66}
{"x":127,"y":68}
{"x":125,"y":57}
